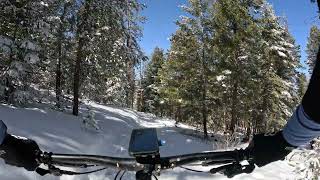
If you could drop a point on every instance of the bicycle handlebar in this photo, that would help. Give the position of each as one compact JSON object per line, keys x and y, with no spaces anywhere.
{"x":231,"y":159}
{"x":218,"y":156}
{"x":78,"y":160}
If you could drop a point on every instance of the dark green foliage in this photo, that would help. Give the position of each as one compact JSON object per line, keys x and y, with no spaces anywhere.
{"x":232,"y":66}
{"x":40,"y":42}
{"x":151,"y":82}
{"x":312,"y":47}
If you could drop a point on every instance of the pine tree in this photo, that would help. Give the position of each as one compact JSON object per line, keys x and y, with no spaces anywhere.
{"x":89,"y":46}
{"x":318,"y":2}
{"x":151,"y":81}
{"x":280,"y":59}
{"x":302,"y":85}
{"x":237,"y":59}
{"x":312,"y":47}
{"x":64,"y":26}
{"x":235,"y":31}
{"x":107,"y":34}
{"x":82,"y":37}
{"x":21,"y":32}
{"x":58,"y":47}
{"x":133,"y":52}
{"x":190,"y":66}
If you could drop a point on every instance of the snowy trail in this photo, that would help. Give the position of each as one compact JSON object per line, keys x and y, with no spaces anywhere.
{"x":62,"y":133}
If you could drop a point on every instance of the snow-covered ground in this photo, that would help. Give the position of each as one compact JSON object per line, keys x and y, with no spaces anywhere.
{"x":63,"y":133}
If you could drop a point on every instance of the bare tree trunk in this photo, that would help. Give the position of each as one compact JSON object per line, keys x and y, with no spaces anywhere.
{"x":234,"y":118}
{"x":80,"y":56}
{"x":59,"y":60}
{"x":131,"y":85}
{"x":130,"y":66}
{"x":261,"y":121}
{"x":204,"y":93}
{"x":59,"y":72}
{"x":58,"y":83}
{"x":76,"y":81}
{"x":248,"y":130}
{"x":140,"y":104}
{"x":204,"y":120}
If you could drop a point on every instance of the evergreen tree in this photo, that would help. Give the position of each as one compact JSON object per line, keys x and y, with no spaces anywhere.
{"x":280,"y":59}
{"x":236,"y":59}
{"x":312,"y":47}
{"x":190,"y":65}
{"x":58,"y":48}
{"x":64,"y":26}
{"x":150,"y":82}
{"x":21,"y":32}
{"x":105,"y":45}
{"x":133,"y":53}
{"x":234,"y":37}
{"x":302,"y":85}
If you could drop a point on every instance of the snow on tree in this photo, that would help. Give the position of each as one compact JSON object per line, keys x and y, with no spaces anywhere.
{"x":244,"y":56}
{"x":281,"y":60}
{"x":105,"y":46}
{"x":186,"y":73}
{"x":313,"y":47}
{"x":40,"y":41}
{"x":235,"y":32}
{"x":306,"y":160}
{"x":151,"y":81}
{"x":21,"y":32}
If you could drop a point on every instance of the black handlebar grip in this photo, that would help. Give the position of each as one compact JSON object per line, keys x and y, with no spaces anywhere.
{"x":20,"y":152}
{"x":311,"y":99}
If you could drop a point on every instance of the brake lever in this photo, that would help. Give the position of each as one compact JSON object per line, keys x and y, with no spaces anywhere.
{"x":51,"y":170}
{"x":42,"y":171}
{"x":231,"y":170}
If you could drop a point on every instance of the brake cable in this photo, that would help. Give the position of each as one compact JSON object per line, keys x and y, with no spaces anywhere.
{"x":58,"y":172}
{"x":115,"y":178}
{"x":193,"y":170}
{"x":124,"y":172}
{"x":118,"y":173}
{"x":47,"y":158}
{"x":229,"y":170}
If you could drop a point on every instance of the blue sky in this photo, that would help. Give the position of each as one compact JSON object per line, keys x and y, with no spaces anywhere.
{"x":162,"y":14}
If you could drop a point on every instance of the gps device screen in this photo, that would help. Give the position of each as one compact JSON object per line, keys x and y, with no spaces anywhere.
{"x":143,"y":142}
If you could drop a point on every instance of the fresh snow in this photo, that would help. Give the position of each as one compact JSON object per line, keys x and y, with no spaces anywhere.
{"x":277,"y":48}
{"x":282,"y":54}
{"x":286,"y":94}
{"x":54,"y":18}
{"x":5,"y":41}
{"x":220,"y":78}
{"x":60,"y":132}
{"x":44,"y":4}
{"x":29,"y":45}
{"x":276,"y":32}
{"x":13,"y":73}
{"x":106,"y":28}
{"x":227,"y":72}
{"x":243,"y":57}
{"x":32,"y":58}
{"x":289,"y":45}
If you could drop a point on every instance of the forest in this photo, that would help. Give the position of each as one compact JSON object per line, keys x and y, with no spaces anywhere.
{"x":232,"y":66}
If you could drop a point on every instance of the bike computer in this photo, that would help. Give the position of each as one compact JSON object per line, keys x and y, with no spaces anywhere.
{"x":144,"y":142}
